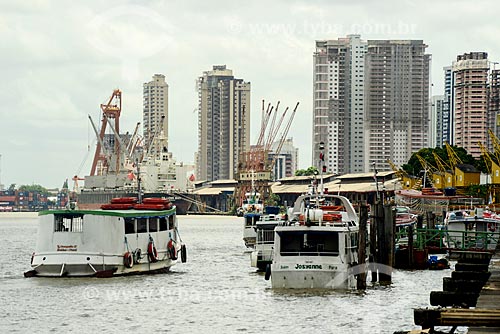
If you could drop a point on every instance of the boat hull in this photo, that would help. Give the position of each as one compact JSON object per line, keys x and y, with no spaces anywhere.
{"x":77,"y":265}
{"x":311,"y":279}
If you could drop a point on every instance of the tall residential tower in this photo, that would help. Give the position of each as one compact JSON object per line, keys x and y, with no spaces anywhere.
{"x":223,"y":123}
{"x":155,"y":114}
{"x":338,"y":103}
{"x":396,"y":101}
{"x":470,"y":101}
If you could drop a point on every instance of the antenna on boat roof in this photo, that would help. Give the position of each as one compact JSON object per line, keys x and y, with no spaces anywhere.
{"x":321,"y":166}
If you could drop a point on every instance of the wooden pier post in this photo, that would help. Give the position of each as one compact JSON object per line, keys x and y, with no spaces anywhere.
{"x":410,"y":247}
{"x":386,"y":243}
{"x":363,"y":219}
{"x":375,"y":212}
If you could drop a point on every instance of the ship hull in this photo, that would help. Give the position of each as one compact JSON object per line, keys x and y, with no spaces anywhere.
{"x":92,"y":200}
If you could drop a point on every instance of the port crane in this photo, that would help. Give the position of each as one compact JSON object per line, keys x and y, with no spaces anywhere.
{"x":111,"y":110}
{"x":254,"y":166}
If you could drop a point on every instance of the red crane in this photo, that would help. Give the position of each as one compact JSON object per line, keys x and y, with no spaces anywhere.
{"x":110,"y":110}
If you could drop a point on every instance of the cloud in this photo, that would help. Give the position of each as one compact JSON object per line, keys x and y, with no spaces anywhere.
{"x":60,"y":61}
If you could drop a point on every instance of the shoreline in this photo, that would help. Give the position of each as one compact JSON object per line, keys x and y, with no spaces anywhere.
{"x":18,"y":214}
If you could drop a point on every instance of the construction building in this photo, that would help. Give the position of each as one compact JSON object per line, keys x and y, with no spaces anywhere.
{"x":494,"y":103}
{"x":396,"y":101}
{"x":286,"y":161}
{"x":470,"y":101}
{"x":155,"y":114}
{"x":447,"y":108}
{"x":338,"y":103}
{"x":438,"y":118}
{"x":223,"y":123}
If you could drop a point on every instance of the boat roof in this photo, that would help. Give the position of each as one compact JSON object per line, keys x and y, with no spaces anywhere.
{"x":116,"y":213}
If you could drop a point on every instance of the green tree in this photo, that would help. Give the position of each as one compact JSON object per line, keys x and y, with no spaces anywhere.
{"x":34,"y":188}
{"x":305,"y":172}
{"x":12,"y":187}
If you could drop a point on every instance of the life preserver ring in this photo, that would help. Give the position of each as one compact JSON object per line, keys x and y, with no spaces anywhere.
{"x":492,"y":227}
{"x":152,"y":253}
{"x":128,"y":260}
{"x":172,"y":252}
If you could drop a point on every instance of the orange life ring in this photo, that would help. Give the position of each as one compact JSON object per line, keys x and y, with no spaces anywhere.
{"x":172,"y":252}
{"x":152,"y":253}
{"x":128,"y":260}
{"x":492,"y":227}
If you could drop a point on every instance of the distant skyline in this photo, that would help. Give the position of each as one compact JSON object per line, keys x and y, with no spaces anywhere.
{"x":60,"y":61}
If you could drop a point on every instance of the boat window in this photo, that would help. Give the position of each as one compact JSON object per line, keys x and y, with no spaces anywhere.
{"x":153,"y":224}
{"x":129,"y":225}
{"x":142,"y":225}
{"x":171,"y":222}
{"x":68,"y":223}
{"x":309,"y":243}
{"x":163,"y":224}
{"x":251,"y":219}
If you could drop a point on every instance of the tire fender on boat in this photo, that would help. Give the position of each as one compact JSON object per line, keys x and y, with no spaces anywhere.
{"x":128,"y":260}
{"x":172,"y":252}
{"x":183,"y":254}
{"x":152,"y":253}
{"x":137,"y":255}
{"x":267,"y":276}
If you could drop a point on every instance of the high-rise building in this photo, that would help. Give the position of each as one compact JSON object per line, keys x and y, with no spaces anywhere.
{"x":447,"y":115}
{"x":396,"y":101}
{"x":494,"y":104}
{"x":338,"y":103}
{"x":436,"y":125}
{"x":155,"y":115}
{"x":286,"y":162}
{"x":470,"y":103}
{"x":223,"y":123}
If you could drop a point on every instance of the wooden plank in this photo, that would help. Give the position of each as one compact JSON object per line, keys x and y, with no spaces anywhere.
{"x":428,"y":318}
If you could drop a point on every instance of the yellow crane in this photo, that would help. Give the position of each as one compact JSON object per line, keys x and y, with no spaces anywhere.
{"x":445,"y":177}
{"x":491,"y":165}
{"x":428,"y":169}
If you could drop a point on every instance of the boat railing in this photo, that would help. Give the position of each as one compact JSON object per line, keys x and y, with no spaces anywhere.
{"x":309,"y":253}
{"x":265,"y":237}
{"x":452,"y":239}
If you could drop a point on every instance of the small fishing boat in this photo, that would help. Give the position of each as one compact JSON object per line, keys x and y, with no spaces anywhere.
{"x":472,"y":229}
{"x":318,"y":246}
{"x":253,"y":208}
{"x":123,"y":237}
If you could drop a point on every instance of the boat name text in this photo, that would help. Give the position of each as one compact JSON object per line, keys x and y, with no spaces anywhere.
{"x":67,"y":248}
{"x":308,"y":266}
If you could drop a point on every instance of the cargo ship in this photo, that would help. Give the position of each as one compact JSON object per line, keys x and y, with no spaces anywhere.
{"x":124,"y":163}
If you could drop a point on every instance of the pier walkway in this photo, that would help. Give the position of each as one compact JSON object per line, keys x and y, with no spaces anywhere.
{"x":489,"y":298}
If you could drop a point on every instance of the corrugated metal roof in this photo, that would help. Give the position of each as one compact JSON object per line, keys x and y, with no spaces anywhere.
{"x":212,"y":191}
{"x":362,"y":175}
{"x":336,"y":186}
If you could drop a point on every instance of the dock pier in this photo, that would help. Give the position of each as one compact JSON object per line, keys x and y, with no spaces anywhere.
{"x":470,"y":297}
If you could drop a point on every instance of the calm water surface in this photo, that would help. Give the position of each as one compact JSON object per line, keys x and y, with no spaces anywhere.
{"x":216,"y":291}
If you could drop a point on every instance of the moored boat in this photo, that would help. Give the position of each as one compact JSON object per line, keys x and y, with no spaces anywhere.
{"x":253,"y":208}
{"x":263,"y":252}
{"x":472,"y":229}
{"x":318,"y":246}
{"x":121,"y":238}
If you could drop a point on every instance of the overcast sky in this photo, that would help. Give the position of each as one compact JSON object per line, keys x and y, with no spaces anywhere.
{"x":60,"y":61}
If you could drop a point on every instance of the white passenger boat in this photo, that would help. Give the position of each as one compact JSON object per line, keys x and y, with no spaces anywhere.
{"x":472,"y":229}
{"x":122,"y":238}
{"x":318,"y":247}
{"x":263,"y":252}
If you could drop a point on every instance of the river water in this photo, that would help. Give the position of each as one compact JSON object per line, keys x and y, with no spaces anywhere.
{"x":216,"y":291}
